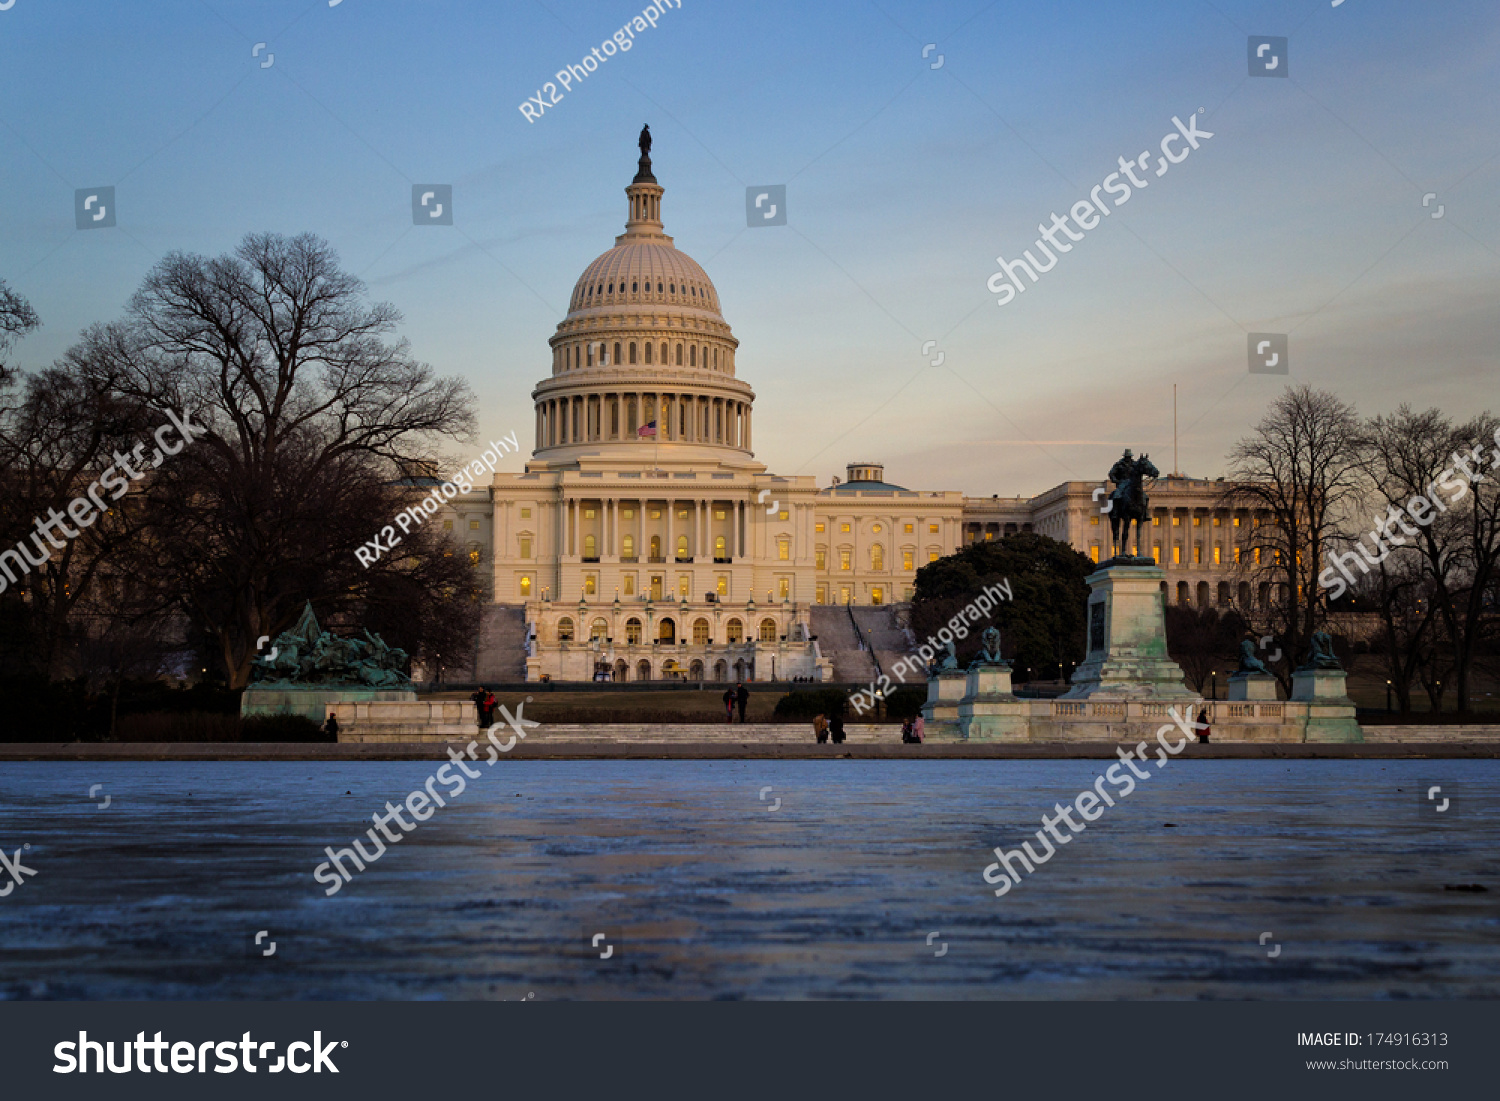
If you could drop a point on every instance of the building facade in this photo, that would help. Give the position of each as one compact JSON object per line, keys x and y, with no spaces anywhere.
{"x":644,"y":541}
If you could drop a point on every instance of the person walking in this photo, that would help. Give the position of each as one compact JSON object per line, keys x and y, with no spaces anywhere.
{"x":919,"y":729}
{"x":1202,"y":725}
{"x":820,"y":728}
{"x":729,"y":705}
{"x":742,"y":698}
{"x":478,"y":698}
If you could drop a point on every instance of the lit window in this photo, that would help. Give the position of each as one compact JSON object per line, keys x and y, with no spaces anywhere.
{"x":700,"y":632}
{"x":564,"y":630}
{"x":1094,"y":551}
{"x":768,"y":630}
{"x":932,"y":556}
{"x":736,"y":631}
{"x":1156,"y":521}
{"x":1236,"y":521}
{"x":844,"y":559}
{"x":682,"y":586}
{"x":720,"y":514}
{"x":682,"y":546}
{"x":1217,"y":555}
{"x":721,"y":585}
{"x":877,"y":557}
{"x":628,"y":513}
{"x":590,"y":547}
{"x":1156,"y":553}
{"x":1198,"y":554}
{"x":526,"y":514}
{"x":1176,"y":556}
{"x":820,"y":558}
{"x":474,"y":557}
{"x":588,"y":514}
{"x":682,"y":514}
{"x":784,"y":514}
{"x":783,"y":550}
{"x":590,"y":584}
{"x":843,"y":527}
{"x":526,"y":586}
{"x":1218,"y":522}
{"x":909,"y":528}
{"x":630,"y":584}
{"x":818,"y":526}
{"x":473,"y":525}
{"x":785,"y":585}
{"x":525,"y":546}
{"x":656,"y":514}
{"x":908,"y":560}
{"x":876,"y":527}
{"x":1197,"y":521}
{"x":1177,"y":521}
{"x":633,"y":632}
{"x":932,"y":529}
{"x":627,"y":546}
{"x":447,"y":525}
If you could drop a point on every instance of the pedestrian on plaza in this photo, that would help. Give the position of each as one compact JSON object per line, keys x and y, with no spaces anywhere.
{"x":742,"y":697}
{"x":331,"y":727}
{"x":729,"y":705}
{"x":820,"y":728}
{"x":836,"y":728}
{"x":919,"y":729}
{"x":1202,"y":725}
{"x":907,"y":737}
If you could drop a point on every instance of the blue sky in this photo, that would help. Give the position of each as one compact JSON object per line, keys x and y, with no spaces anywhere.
{"x":1302,"y":215}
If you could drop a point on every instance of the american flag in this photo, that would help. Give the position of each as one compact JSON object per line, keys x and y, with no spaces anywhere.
{"x":647,"y":429}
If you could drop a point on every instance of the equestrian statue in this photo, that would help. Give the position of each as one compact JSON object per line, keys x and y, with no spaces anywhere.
{"x":1128,"y":501}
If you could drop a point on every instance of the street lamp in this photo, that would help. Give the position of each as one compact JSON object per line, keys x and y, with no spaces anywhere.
{"x":1213,"y":685}
{"x":1387,"y":697}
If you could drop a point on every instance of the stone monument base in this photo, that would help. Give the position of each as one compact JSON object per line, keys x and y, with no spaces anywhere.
{"x":989,"y":711}
{"x":312,"y":701}
{"x":1127,"y":639}
{"x":1330,"y":711}
{"x":1252,"y":686}
{"x":940,"y":712}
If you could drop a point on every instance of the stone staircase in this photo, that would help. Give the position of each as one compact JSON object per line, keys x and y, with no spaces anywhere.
{"x":890,"y":641}
{"x":500,"y":651}
{"x":838,"y":642}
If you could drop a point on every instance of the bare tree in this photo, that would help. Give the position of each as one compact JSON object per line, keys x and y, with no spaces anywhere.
{"x":1437,"y":506}
{"x":17,"y":318}
{"x":1299,"y":473}
{"x":301,"y":408}
{"x":1202,"y":641}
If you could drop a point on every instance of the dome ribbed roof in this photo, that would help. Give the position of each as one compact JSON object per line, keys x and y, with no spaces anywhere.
{"x":647,"y":273}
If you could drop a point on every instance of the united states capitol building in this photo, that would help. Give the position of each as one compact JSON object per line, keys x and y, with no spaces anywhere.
{"x":644,"y":541}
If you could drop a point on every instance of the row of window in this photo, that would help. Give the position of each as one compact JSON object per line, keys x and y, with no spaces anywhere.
{"x":596,"y":291}
{"x":1197,"y":521}
{"x":597,"y":353}
{"x":1218,"y":554}
{"x":877,"y":528}
{"x":666,"y":630}
{"x":657,"y":586}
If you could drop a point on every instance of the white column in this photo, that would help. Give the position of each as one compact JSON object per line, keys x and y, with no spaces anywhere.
{"x":671,"y":524}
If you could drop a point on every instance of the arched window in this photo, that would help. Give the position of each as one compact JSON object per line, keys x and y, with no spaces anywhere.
{"x":632,"y":351}
{"x":643,"y":671}
{"x":590,"y":547}
{"x":648,"y":351}
{"x":735,"y":631}
{"x":658,"y":288}
{"x":721,"y":548}
{"x":590,"y":360}
{"x":667,"y":631}
{"x":627,"y":546}
{"x":768,"y":630}
{"x":682,"y":546}
{"x":693,"y":356}
{"x":564,"y":630}
{"x":877,"y":558}
{"x":656,"y":546}
{"x":611,"y":288}
{"x":664,"y":359}
{"x":617,"y":352}
{"x":599,"y":628}
{"x":632,"y":286}
{"x":526,"y":588}
{"x":1182,"y":593}
{"x":672,"y":288}
{"x":679,"y":355}
{"x":716,"y":359}
{"x":633,"y":631}
{"x":700,"y":632}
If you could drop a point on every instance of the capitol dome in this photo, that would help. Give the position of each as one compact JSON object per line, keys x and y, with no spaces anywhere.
{"x":644,"y":355}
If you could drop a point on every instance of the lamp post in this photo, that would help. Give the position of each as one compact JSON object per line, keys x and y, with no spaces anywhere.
{"x":1213,"y":685}
{"x":1387,"y":697}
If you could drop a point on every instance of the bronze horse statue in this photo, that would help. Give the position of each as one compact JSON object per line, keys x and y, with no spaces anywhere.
{"x":1128,"y":501}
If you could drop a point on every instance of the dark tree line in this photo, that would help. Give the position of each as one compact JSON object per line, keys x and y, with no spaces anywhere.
{"x":302,"y":409}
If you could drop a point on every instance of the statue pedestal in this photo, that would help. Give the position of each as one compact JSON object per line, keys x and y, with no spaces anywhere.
{"x":1127,"y":639}
{"x":988,"y":710}
{"x":1252,"y":686}
{"x":1330,"y":711}
{"x":313,"y":702}
{"x":944,"y":690}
